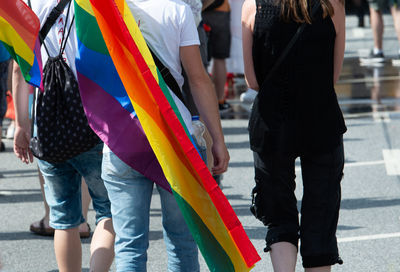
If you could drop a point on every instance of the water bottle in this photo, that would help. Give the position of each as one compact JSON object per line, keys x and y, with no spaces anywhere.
{"x":198,"y":131}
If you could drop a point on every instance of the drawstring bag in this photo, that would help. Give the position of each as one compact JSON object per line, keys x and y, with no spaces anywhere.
{"x":63,"y":131}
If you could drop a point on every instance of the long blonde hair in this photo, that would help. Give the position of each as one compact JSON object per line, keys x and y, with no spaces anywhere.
{"x":299,"y":10}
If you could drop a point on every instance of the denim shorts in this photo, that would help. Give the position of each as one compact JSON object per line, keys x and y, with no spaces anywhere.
{"x":63,"y":188}
{"x":382,"y":5}
{"x":219,"y":39}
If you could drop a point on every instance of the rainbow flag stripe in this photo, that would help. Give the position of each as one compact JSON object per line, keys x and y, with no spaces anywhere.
{"x":19,"y":29}
{"x":4,"y":55}
{"x":212,"y":221}
{"x":107,"y":105}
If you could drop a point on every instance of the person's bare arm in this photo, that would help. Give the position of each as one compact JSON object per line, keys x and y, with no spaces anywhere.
{"x":206,"y":102}
{"x":22,"y":135}
{"x":338,"y":19}
{"x":248,"y":15}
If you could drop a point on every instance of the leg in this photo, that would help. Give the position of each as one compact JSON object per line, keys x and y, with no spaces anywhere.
{"x":130,"y":195}
{"x":67,"y":246}
{"x":322,"y":174}
{"x":284,"y":256}
{"x":360,"y":12}
{"x":319,"y":269}
{"x":84,"y":229}
{"x":102,"y":246}
{"x":63,"y":195}
{"x":219,"y":77}
{"x":395,"y":10}
{"x":276,"y":204}
{"x":88,"y":165}
{"x":181,"y":247}
{"x":36,"y":227}
{"x":377,"y":27}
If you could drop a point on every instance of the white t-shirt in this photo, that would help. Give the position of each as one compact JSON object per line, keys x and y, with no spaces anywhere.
{"x":167,"y":25}
{"x":42,"y":8}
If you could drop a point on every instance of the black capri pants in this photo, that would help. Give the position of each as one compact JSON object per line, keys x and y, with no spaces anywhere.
{"x":275,"y":184}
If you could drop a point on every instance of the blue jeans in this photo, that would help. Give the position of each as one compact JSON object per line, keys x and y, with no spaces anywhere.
{"x":63,"y":188}
{"x":130,"y":195}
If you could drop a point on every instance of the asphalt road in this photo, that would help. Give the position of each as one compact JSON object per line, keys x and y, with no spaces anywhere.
{"x":369,"y":223}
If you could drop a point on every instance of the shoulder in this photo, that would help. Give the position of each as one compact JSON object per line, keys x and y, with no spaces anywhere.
{"x":248,"y":8}
{"x":249,"y":5}
{"x":42,"y":8}
{"x":248,"y":12}
{"x":338,"y":7}
{"x":339,"y":15}
{"x":177,"y":5}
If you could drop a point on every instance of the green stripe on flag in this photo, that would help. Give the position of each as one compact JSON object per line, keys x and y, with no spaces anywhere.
{"x":214,"y":255}
{"x":94,"y":39}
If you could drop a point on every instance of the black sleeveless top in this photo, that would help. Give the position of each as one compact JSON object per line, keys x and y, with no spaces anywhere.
{"x":299,"y":101}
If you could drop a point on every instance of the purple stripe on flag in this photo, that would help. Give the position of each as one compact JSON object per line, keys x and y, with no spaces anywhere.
{"x":120,"y":131}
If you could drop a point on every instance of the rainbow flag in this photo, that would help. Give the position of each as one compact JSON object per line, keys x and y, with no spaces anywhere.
{"x":108,"y":108}
{"x":212,"y":221}
{"x":19,"y":29}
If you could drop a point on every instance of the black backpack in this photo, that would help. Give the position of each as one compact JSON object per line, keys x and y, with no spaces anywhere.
{"x":62,"y":127}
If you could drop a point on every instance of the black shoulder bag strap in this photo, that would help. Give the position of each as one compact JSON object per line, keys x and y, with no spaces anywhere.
{"x":289,"y":47}
{"x":168,"y":77}
{"x":51,"y":19}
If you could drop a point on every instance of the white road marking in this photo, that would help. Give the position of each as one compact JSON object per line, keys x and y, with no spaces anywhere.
{"x":358,"y":32}
{"x":369,"y":237}
{"x":381,"y":117}
{"x":392,"y":161}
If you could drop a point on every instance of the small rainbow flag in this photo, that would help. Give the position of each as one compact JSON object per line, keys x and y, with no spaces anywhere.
{"x":19,"y":29}
{"x":212,"y":221}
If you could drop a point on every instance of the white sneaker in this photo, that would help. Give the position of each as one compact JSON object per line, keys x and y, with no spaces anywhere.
{"x":248,"y":96}
{"x":10,"y":131}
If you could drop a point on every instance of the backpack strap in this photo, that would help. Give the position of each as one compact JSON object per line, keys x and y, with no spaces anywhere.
{"x":51,"y":19}
{"x":168,"y":77}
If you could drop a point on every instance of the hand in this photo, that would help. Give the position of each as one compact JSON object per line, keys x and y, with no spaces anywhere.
{"x":221,"y":158}
{"x":21,"y":143}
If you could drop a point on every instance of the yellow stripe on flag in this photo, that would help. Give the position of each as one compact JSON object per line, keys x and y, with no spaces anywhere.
{"x":10,"y":36}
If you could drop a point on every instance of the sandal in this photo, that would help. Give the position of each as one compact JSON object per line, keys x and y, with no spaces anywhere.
{"x":85,"y":234}
{"x":49,"y":231}
{"x":42,"y":229}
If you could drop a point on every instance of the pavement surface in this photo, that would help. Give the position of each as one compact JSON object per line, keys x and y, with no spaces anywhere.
{"x":369,"y":224}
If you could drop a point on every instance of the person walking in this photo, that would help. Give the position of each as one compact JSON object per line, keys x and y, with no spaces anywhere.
{"x":170,"y":31}
{"x":63,"y":179}
{"x":376,"y":9}
{"x":217,"y":17}
{"x":298,"y":116}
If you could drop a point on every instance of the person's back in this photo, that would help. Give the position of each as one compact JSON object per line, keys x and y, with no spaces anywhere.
{"x":303,"y":120}
{"x":308,"y":98}
{"x":170,"y":31}
{"x":165,"y":32}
